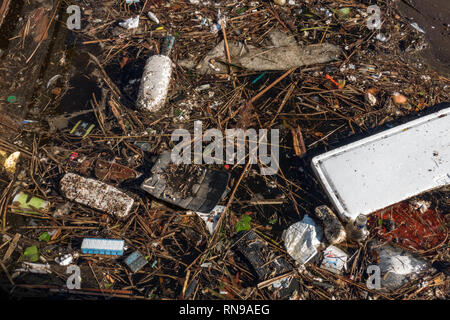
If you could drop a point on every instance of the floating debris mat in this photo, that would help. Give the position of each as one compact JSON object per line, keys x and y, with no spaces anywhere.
{"x":388,"y":167}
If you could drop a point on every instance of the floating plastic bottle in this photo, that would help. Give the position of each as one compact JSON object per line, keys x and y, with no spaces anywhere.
{"x":357,"y":230}
{"x":156,"y":79}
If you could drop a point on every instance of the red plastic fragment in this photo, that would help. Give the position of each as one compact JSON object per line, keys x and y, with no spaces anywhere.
{"x":409,"y":228}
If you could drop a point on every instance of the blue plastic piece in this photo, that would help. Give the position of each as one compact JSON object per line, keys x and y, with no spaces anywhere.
{"x":136,"y":261}
{"x":102,"y":246}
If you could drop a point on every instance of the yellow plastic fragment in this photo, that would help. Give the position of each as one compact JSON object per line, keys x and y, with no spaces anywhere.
{"x":11,"y":162}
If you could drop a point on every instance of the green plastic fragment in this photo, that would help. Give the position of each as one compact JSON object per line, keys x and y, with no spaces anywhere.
{"x":12,"y":99}
{"x":28,"y":203}
{"x":31,"y":254}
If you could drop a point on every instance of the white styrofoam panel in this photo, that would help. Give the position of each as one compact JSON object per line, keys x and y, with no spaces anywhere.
{"x":386,"y":168}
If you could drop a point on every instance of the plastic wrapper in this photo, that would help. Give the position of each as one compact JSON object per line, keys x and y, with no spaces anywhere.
{"x":334,"y":259}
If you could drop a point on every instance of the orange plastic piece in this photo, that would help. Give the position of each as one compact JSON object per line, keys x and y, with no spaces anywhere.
{"x":328,"y":77}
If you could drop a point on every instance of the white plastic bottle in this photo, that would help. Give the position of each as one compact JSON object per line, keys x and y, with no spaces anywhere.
{"x":156,"y":78}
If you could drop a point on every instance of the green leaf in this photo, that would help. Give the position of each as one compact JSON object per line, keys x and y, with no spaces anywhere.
{"x":380,"y":222}
{"x":241,"y":10}
{"x":273,"y":221}
{"x":31,"y":254}
{"x":45,"y":236}
{"x":243,"y":224}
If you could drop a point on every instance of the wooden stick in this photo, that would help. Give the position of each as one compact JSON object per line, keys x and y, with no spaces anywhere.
{"x":12,"y":247}
{"x":227,"y":50}
{"x":266,"y":283}
{"x":252,"y":100}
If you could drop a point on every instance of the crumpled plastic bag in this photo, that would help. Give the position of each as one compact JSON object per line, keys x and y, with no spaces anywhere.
{"x":282,"y":52}
{"x":302,"y":240}
{"x":398,"y":266}
{"x":130,"y":23}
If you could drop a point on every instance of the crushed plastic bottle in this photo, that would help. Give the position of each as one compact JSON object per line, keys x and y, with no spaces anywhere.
{"x":30,"y":267}
{"x":156,"y":79}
